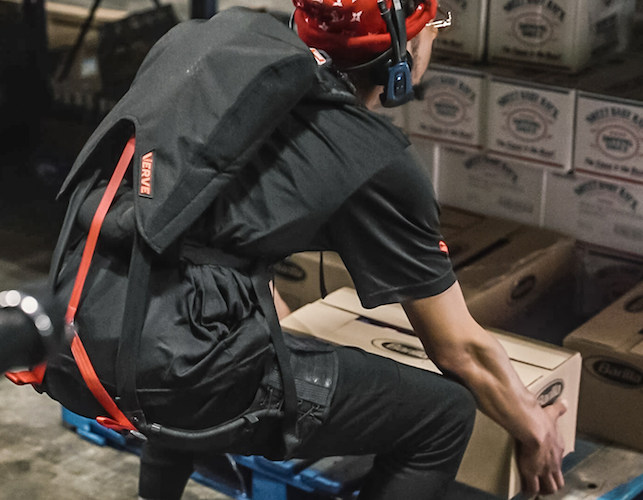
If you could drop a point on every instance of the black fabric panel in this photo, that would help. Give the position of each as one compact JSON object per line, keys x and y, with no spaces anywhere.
{"x":205,"y":344}
{"x":208,"y":93}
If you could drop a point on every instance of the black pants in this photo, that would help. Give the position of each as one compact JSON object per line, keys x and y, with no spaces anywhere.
{"x":417,"y":423}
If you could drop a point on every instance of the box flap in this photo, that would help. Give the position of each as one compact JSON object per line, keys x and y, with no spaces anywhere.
{"x":513,"y":252}
{"x":454,"y":220}
{"x":616,"y":327}
{"x":317,"y":317}
{"x":385,"y":342}
{"x":390,"y":314}
{"x":638,"y":349}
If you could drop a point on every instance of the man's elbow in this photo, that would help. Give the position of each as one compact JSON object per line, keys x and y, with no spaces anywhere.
{"x":455,"y":364}
{"x":464,"y":362}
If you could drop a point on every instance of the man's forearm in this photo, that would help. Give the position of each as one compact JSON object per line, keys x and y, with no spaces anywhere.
{"x":460,"y":346}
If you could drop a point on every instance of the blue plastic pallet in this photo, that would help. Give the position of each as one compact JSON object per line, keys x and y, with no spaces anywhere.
{"x":231,"y":483}
{"x":248,"y":477}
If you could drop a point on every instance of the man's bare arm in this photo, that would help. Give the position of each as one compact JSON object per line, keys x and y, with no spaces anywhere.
{"x":461,"y":347}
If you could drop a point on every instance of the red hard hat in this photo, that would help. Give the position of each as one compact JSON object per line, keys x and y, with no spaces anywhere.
{"x":353,"y":31}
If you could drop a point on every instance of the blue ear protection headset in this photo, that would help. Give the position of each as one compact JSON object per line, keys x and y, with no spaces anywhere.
{"x":398,"y":88}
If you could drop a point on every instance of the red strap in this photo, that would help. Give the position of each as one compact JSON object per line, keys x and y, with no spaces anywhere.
{"x":118,"y":421}
{"x":94,"y":229}
{"x":33,"y":376}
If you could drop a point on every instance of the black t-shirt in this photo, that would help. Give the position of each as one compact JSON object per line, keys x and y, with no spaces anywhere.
{"x":341,"y":179}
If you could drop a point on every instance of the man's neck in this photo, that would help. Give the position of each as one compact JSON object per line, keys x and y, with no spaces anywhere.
{"x":367,"y":93}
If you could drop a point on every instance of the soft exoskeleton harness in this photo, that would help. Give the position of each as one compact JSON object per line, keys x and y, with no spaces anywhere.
{"x":191,"y":119}
{"x":127,"y":415}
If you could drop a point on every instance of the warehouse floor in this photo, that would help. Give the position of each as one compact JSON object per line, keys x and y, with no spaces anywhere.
{"x":42,"y":459}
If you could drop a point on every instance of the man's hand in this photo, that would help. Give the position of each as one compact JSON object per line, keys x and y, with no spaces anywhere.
{"x":540,"y":462}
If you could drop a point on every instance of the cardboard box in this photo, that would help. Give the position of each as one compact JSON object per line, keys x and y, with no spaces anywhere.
{"x":596,"y":210}
{"x":609,"y":137}
{"x":532,"y":122}
{"x":566,"y":35}
{"x":491,"y":185}
{"x":489,"y":461}
{"x":603,"y":276}
{"x":470,"y":235}
{"x":611,"y":391}
{"x":514,"y":274}
{"x":599,"y":277}
{"x":466,"y":38}
{"x":452,"y":108}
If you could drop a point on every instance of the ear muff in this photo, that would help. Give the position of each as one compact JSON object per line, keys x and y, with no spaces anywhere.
{"x":398,"y":87}
{"x":380,"y":67}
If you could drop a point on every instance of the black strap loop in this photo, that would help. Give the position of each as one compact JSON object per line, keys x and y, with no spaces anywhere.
{"x":260,"y":280}
{"x":129,"y":343}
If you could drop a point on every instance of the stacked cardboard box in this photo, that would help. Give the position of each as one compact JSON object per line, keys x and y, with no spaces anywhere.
{"x":451,"y":111}
{"x":531,"y":122}
{"x":495,"y":186}
{"x":554,"y":150}
{"x":603,"y":211}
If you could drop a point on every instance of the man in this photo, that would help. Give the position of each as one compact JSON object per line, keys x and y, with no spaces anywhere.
{"x":208,"y":370}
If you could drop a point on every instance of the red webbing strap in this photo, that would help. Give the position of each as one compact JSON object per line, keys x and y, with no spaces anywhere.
{"x":118,"y":421}
{"x":33,"y":376}
{"x":94,"y":229}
